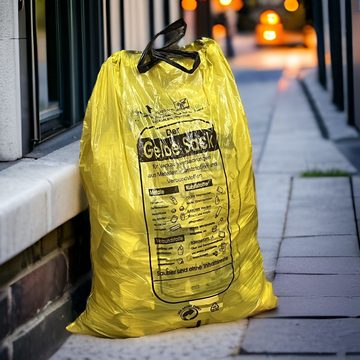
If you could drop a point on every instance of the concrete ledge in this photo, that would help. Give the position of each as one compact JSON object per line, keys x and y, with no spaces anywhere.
{"x":36,"y":196}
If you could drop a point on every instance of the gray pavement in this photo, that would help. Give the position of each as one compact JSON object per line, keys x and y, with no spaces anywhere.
{"x":308,"y":234}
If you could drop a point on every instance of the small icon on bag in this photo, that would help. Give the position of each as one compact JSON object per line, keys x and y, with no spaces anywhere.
{"x":220,"y":190}
{"x":189,"y":312}
{"x":173,"y":200}
{"x":181,"y":104}
{"x":218,"y":211}
{"x":181,"y":250}
{"x":175,"y":227}
{"x":214,"y":307}
{"x":222,"y":247}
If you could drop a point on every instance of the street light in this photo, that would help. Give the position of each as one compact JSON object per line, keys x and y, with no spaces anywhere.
{"x":269,"y":17}
{"x":270,"y":29}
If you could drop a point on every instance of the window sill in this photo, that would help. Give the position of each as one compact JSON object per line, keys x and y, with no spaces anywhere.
{"x":36,"y":197}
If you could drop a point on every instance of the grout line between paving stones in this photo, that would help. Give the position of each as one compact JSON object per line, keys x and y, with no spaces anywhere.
{"x":285,"y":221}
{"x":318,"y":235}
{"x":317,"y":273}
{"x":323,"y":297}
{"x":317,"y":256}
{"x":354,"y":208}
{"x":303,"y":354}
{"x":302,"y":317}
{"x":239,"y":349}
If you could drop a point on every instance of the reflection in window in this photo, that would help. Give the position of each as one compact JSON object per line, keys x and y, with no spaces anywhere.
{"x":47,"y":59}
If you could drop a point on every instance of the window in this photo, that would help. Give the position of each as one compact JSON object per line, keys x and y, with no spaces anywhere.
{"x":48,"y":65}
{"x":66,"y":50}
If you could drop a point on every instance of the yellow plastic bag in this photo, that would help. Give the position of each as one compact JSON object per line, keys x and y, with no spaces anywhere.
{"x":166,"y":165}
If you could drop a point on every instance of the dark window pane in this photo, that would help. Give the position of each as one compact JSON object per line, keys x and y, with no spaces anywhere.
{"x":47,"y":59}
{"x":67,"y":50}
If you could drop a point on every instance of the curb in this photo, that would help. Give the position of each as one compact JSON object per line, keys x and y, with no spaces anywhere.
{"x":332,"y":122}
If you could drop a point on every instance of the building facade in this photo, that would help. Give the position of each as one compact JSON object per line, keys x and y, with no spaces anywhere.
{"x":337,"y":24}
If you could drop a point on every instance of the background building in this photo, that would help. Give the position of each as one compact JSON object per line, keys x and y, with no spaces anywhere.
{"x":337,"y":23}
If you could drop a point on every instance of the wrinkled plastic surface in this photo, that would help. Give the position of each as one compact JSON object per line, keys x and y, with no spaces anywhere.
{"x":166,"y":165}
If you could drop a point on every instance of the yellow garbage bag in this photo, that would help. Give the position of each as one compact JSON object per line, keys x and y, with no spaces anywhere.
{"x":166,"y":164}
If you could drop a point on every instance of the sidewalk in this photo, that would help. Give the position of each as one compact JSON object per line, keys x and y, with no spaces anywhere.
{"x":313,"y":250}
{"x":308,"y":234}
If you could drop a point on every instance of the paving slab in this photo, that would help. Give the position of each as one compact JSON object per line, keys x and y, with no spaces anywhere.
{"x":271,"y":222}
{"x":294,"y":142}
{"x":356,"y":185}
{"x":343,"y":246}
{"x":318,"y":265}
{"x":302,"y":336}
{"x":269,"y":244}
{"x":325,"y":216}
{"x":321,"y":187}
{"x":215,"y":341}
{"x":294,"y":156}
{"x":272,"y":198}
{"x":258,"y":109}
{"x":306,"y":307}
{"x":317,"y":285}
{"x":351,"y":149}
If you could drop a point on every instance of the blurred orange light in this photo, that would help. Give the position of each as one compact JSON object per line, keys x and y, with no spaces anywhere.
{"x":218,"y":31}
{"x":189,"y":5}
{"x":223,"y":5}
{"x":269,"y":35}
{"x":225,"y":2}
{"x":269,"y":17}
{"x":291,"y":5}
{"x":310,"y":39}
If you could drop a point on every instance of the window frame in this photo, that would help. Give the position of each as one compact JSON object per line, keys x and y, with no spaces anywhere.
{"x":81,"y":41}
